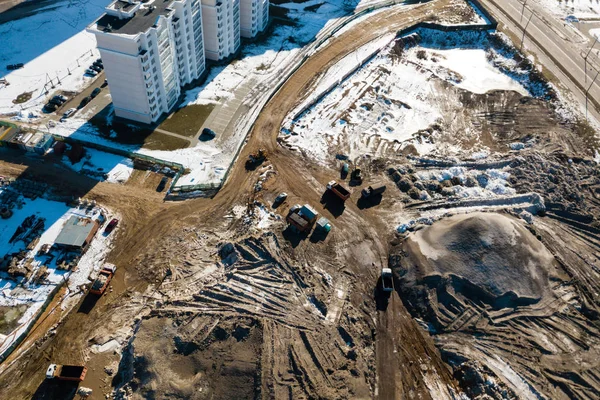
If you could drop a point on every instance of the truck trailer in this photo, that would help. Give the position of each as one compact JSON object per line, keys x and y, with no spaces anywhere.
{"x":372,"y":191}
{"x":339,"y":190}
{"x":74,"y":373}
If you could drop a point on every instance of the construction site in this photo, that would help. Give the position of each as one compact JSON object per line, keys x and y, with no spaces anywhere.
{"x":414,"y":213}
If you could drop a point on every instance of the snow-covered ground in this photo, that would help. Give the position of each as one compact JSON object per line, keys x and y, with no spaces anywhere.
{"x":260,"y":62}
{"x":581,"y":9}
{"x":97,"y":163}
{"x":22,"y":291}
{"x":52,"y":44}
{"x":391,"y":98}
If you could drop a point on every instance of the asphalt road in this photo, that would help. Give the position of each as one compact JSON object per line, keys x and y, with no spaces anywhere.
{"x":553,"y":43}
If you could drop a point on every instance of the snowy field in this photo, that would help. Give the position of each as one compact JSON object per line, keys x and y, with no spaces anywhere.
{"x":27,"y":291}
{"x":392,"y":98}
{"x":52,"y":44}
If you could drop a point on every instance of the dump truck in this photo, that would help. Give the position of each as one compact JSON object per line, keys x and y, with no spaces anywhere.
{"x":386,"y":280}
{"x":339,"y":190}
{"x":75,"y":373}
{"x":372,"y":191}
{"x":101,"y":283}
{"x":302,"y":218}
{"x":255,"y":159}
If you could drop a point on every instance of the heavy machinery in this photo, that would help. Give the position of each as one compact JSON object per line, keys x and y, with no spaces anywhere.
{"x":355,"y":177}
{"x":339,"y":190}
{"x":104,"y":277}
{"x":74,"y":373}
{"x":255,"y":159}
{"x":372,"y":191}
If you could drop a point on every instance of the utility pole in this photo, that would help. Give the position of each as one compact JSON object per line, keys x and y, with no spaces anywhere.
{"x":523,"y":10}
{"x":525,"y":30}
{"x":586,"y":93}
{"x":585,"y":58}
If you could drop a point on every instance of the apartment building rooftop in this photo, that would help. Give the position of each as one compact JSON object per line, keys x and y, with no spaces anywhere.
{"x":131,"y":18}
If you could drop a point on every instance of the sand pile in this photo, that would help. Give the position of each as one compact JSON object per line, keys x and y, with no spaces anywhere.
{"x":482,"y":255}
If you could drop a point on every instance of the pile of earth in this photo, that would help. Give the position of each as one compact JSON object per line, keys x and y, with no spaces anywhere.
{"x":488,"y":259}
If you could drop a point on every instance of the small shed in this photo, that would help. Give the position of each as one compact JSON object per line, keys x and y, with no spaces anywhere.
{"x":77,"y":233}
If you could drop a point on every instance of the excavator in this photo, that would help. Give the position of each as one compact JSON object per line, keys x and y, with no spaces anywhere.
{"x":255,"y":159}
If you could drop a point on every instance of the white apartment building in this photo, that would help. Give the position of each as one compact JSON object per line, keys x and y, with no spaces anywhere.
{"x":254,"y":17}
{"x":221,"y":21}
{"x":149,"y":52}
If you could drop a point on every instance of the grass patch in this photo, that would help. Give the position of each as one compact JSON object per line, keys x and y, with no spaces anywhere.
{"x":22,"y":98}
{"x":188,"y":120}
{"x":130,"y":134}
{"x":160,"y":141}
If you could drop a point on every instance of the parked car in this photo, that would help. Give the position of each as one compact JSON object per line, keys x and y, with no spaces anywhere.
{"x":280,"y":199}
{"x":69,"y":112}
{"x":98,"y":60}
{"x":91,"y":72}
{"x":50,"y":107}
{"x":207,"y":134}
{"x":105,"y":83}
{"x":12,"y":67}
{"x":111,"y":226}
{"x":85,"y":101}
{"x":58,"y":100}
{"x":162,"y":184}
{"x":95,"y":92}
{"x":95,"y":68}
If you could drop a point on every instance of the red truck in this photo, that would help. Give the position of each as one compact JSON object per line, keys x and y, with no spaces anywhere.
{"x":101,"y":283}
{"x":339,"y":190}
{"x":74,"y":373}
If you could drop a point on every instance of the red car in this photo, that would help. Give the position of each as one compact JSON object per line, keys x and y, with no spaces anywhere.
{"x":111,"y":225}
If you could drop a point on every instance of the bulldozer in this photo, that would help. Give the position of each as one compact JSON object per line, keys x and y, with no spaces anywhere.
{"x":255,"y":159}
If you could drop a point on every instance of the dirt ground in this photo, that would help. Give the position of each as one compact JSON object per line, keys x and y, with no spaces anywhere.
{"x":217,"y":298}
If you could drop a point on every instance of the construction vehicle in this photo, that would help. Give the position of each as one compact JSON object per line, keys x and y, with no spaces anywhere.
{"x":255,"y":159}
{"x":339,"y":190}
{"x":324,"y":225}
{"x":386,"y":280}
{"x":74,"y":373}
{"x":371,"y":191}
{"x":355,"y":177}
{"x":302,"y":218}
{"x":104,"y":277}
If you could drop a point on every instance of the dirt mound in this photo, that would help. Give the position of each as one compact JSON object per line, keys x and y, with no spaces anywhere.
{"x":487,"y":257}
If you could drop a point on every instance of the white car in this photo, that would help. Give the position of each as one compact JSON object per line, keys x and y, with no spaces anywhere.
{"x":68,"y":113}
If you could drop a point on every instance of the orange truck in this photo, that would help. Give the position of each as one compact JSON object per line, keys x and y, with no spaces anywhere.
{"x":74,"y":373}
{"x":339,"y":190}
{"x":104,"y":277}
